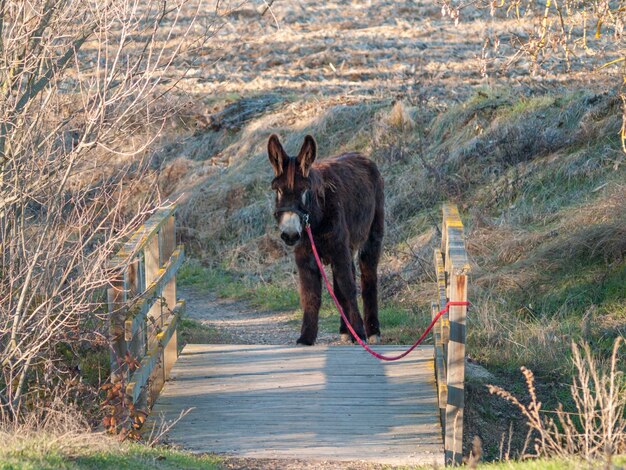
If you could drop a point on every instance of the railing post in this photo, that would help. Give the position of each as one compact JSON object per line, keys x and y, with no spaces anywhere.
{"x":138,"y":337}
{"x":452,"y":267}
{"x":154,"y":262}
{"x":152,"y":257}
{"x":456,"y":370}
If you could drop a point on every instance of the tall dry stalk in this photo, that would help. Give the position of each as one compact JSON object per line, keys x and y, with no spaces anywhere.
{"x":551,"y":36}
{"x":597,"y":429}
{"x":552,"y":33}
{"x":80,"y":86}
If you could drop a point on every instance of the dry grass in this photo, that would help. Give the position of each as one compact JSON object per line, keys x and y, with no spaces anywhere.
{"x":545,"y":223}
{"x":504,"y":338}
{"x":60,"y":427}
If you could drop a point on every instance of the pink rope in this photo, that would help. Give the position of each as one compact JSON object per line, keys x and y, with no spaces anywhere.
{"x":347,"y":322}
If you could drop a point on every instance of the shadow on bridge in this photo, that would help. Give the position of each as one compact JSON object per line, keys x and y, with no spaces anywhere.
{"x":322,"y":402}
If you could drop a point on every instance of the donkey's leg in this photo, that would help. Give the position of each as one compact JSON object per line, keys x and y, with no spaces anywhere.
{"x":344,"y":278}
{"x":310,"y":297}
{"x":344,"y":334}
{"x":368,"y":262}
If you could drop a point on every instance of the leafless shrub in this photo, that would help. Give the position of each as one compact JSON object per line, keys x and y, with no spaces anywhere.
{"x":598,"y":428}
{"x":80,"y":81}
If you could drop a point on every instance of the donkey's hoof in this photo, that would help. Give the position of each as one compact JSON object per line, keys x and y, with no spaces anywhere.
{"x":345,"y":338}
{"x":363,"y":339}
{"x":304,"y":342}
{"x":373,"y":339}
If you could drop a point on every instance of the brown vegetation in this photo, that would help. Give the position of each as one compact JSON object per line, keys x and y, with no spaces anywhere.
{"x":80,"y":84}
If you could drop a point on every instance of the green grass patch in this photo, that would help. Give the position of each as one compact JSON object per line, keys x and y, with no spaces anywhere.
{"x":119,"y":457}
{"x":272,"y":297}
{"x":524,"y":106}
{"x":580,"y":286}
{"x":195,"y":332}
{"x":229,"y":285}
{"x":550,"y":464}
{"x":193,"y":274}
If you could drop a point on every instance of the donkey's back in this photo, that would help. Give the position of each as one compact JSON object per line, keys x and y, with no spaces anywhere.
{"x":354,"y":195}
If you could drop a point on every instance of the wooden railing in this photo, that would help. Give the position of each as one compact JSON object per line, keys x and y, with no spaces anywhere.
{"x":452,"y":268}
{"x":143,"y":309}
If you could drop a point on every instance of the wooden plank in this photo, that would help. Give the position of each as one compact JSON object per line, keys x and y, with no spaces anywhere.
{"x":141,"y":237}
{"x":263,"y":400}
{"x":441,"y":278}
{"x":169,"y":339}
{"x":456,"y":256}
{"x":152,"y":255}
{"x":288,"y":402}
{"x":357,"y":375}
{"x":168,"y":245}
{"x":148,"y":300}
{"x":453,"y":241}
{"x":268,"y":435}
{"x":444,"y":324}
{"x":170,"y":353}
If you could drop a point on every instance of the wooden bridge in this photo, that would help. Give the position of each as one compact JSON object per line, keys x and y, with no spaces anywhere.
{"x":315,"y":403}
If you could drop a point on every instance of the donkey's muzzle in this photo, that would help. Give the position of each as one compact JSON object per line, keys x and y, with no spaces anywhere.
{"x":290,"y":238}
{"x":290,"y":227}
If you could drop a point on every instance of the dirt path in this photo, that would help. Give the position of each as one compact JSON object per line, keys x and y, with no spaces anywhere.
{"x":239,"y":323}
{"x":280,"y":464}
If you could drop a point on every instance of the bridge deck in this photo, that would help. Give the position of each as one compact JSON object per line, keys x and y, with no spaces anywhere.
{"x":317,"y":403}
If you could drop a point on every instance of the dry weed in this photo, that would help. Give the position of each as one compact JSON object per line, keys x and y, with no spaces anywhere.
{"x":597,"y":430}
{"x":61,"y":426}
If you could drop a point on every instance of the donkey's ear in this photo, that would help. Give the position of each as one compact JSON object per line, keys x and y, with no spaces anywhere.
{"x":276,"y":154}
{"x":307,"y":154}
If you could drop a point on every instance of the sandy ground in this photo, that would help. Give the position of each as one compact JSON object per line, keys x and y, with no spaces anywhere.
{"x":242,"y":324}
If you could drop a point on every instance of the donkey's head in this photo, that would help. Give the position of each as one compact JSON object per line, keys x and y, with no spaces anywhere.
{"x":293,"y":186}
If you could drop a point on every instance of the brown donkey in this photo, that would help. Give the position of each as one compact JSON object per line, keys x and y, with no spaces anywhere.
{"x":342,"y":199}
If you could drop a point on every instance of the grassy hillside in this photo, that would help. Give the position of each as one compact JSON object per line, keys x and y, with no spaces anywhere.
{"x":539,"y":180}
{"x":540,"y":183}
